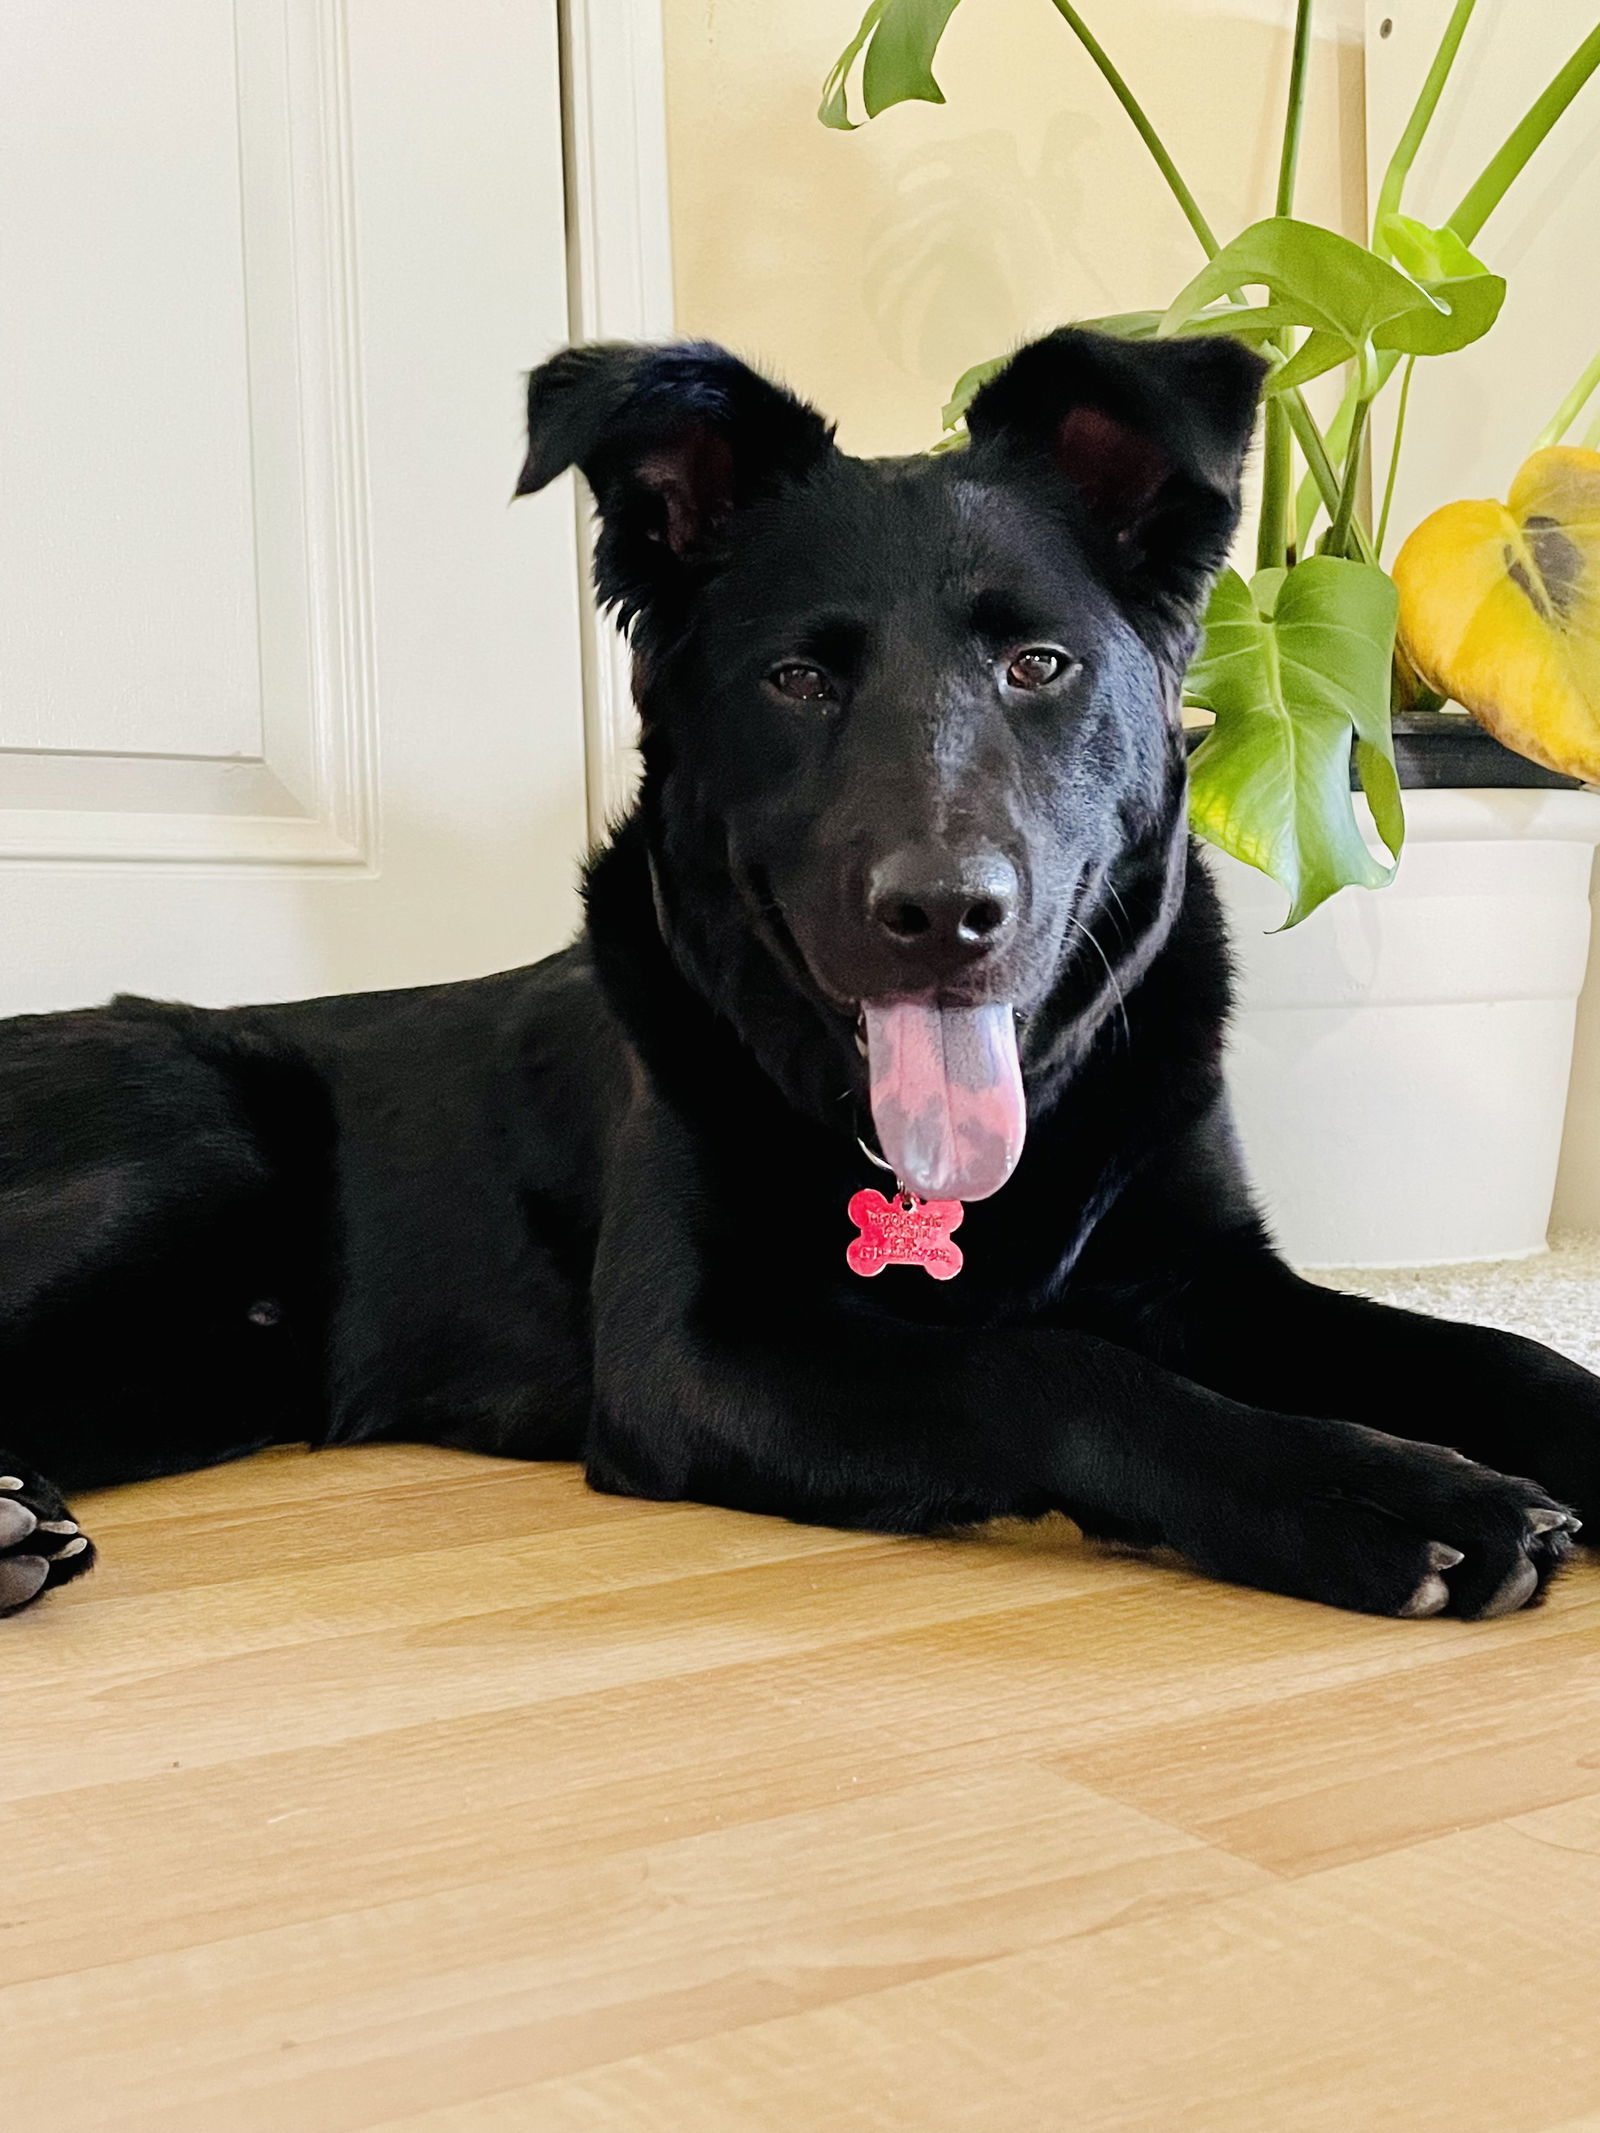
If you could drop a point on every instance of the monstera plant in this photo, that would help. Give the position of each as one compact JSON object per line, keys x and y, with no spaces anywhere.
{"x":1297,"y":664}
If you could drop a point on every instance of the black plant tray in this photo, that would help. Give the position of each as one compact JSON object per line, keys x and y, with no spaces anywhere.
{"x":1438,"y":749}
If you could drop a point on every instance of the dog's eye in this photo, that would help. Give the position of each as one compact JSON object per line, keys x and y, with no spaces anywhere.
{"x":801,"y":684}
{"x":1036,"y":666}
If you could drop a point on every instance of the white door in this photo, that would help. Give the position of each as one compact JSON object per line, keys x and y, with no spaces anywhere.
{"x":290,"y":697}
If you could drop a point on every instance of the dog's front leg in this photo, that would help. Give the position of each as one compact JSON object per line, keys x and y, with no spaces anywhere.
{"x":1250,"y":1327}
{"x":859,"y":1422}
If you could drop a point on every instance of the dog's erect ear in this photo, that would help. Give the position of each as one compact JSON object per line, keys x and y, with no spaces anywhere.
{"x":671,"y":440}
{"x":1152,"y":436}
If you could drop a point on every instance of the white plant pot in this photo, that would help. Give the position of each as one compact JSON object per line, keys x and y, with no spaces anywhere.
{"x":1399,"y":1063}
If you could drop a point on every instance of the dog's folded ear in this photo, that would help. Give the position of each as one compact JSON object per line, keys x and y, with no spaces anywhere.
{"x":671,"y":440}
{"x":1152,"y":435}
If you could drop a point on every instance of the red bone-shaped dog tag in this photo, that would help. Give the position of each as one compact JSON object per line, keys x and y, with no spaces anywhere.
{"x":904,"y":1231}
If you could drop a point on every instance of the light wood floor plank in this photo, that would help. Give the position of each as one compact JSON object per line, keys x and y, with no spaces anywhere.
{"x":1485,"y":1733}
{"x":396,"y":1791}
{"x":1447,"y":1989}
{"x":557,"y":1965}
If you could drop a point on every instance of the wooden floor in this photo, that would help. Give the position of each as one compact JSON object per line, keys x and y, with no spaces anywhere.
{"x":393,"y":1788}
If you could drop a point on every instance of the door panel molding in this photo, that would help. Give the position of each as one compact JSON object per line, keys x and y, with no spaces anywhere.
{"x":308,"y":798}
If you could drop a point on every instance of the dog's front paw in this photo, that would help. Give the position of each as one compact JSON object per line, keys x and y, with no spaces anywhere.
{"x":1389,"y":1527}
{"x":1528,"y":1562}
{"x":40,"y":1545}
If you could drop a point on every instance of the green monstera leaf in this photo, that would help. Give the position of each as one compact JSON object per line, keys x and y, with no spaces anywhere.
{"x":1470,"y":297}
{"x":1439,"y":262}
{"x":1325,"y":281}
{"x":900,"y":38}
{"x":1354,"y":303}
{"x":1295,"y":668}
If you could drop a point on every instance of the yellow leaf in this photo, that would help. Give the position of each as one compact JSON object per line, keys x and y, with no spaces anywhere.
{"x":1500,"y":609}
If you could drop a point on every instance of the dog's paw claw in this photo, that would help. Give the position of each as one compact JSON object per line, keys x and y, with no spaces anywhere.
{"x":1443,"y":1557}
{"x":1546,"y":1518}
{"x":10,"y":1481}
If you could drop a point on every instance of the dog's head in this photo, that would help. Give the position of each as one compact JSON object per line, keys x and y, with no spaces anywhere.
{"x":921,"y":714}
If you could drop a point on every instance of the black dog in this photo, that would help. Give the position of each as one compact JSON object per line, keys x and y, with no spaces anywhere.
{"x":909,"y":862}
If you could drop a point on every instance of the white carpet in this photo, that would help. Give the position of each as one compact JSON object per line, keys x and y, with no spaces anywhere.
{"x":1555,"y":1298}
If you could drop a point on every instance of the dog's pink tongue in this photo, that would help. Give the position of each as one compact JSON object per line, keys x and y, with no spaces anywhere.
{"x":946,"y":1096}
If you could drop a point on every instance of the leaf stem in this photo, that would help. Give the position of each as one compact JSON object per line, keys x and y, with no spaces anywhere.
{"x":1506,"y":164}
{"x":1272,"y":530}
{"x":1277,"y":458}
{"x":1340,"y":533}
{"x":1571,"y":407}
{"x":1417,"y":124}
{"x":1322,"y":469}
{"x":1318,"y":463}
{"x":1294,"y":109}
{"x":1142,"y":126}
{"x":1394,"y":454}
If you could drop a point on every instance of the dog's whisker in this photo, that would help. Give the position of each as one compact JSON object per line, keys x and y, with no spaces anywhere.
{"x":1087,"y":932}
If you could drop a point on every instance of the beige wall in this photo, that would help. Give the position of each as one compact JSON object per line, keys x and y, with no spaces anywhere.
{"x":870,"y":269}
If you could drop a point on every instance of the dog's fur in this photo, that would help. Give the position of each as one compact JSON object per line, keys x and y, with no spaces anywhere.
{"x":596,"y":1209}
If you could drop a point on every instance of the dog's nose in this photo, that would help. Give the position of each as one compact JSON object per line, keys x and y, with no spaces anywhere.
{"x":937,"y":902}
